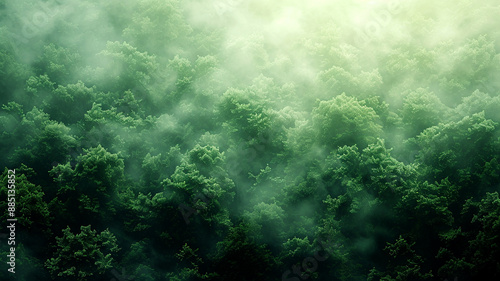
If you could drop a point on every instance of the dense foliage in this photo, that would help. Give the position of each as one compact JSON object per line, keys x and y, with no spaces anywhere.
{"x":251,"y":140}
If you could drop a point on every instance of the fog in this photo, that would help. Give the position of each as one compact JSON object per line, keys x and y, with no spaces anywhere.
{"x":249,"y":140}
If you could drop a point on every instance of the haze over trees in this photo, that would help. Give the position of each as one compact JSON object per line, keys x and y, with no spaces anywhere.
{"x":251,"y":140}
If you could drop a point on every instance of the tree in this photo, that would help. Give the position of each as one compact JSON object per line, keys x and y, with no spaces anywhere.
{"x":295,"y":249}
{"x":38,"y":88}
{"x":126,"y":67}
{"x":87,"y":189}
{"x":426,"y":206}
{"x":193,"y":264}
{"x":184,"y":71}
{"x":201,"y":185}
{"x":159,"y":167}
{"x":137,"y":261}
{"x":239,"y":257}
{"x":58,"y":62}
{"x":364,"y":84}
{"x":343,"y":120}
{"x":339,"y":80}
{"x":32,"y":211}
{"x":484,"y":248}
{"x":421,"y":110}
{"x":406,"y":264}
{"x":267,"y":220}
{"x":84,"y":256}
{"x":478,"y":102}
{"x":253,"y":130}
{"x":45,"y":142}
{"x":69,"y":103}
{"x":10,"y":126}
{"x":156,"y":24}
{"x":244,"y":116}
{"x":457,"y":150}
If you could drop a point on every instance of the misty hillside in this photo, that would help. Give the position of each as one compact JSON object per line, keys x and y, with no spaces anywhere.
{"x":250,"y":140}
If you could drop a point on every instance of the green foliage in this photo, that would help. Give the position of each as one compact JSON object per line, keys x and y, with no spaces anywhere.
{"x":457,"y":150}
{"x":251,"y":140}
{"x":32,"y":266}
{"x":156,"y":23}
{"x":159,"y":167}
{"x":243,"y":116}
{"x":202,"y":182}
{"x":58,"y":62}
{"x":421,"y":110}
{"x":343,"y":120}
{"x":484,"y":249}
{"x":266,"y":219}
{"x":101,"y":168}
{"x":47,"y":142}
{"x":32,"y":211}
{"x":238,"y":257}
{"x":338,"y":80}
{"x":479,"y":102}
{"x":127,"y":67}
{"x":69,"y":104}
{"x":88,"y":188}
{"x":83,"y":256}
{"x":407,"y":263}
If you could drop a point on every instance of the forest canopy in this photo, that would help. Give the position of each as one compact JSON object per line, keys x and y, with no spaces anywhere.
{"x":250,"y":140}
